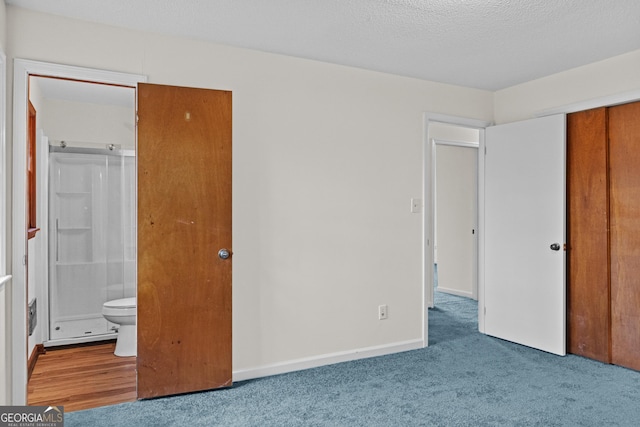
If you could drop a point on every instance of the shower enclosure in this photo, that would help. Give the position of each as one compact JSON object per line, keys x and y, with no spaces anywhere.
{"x":92,"y":242}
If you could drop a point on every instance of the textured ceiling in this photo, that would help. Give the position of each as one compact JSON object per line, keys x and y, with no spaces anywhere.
{"x":485,"y":44}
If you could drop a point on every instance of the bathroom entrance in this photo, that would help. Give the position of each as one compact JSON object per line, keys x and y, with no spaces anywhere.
{"x":190,"y":264}
{"x":82,"y":252}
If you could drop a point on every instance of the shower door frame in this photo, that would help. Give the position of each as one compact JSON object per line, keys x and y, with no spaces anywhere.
{"x":46,"y":302}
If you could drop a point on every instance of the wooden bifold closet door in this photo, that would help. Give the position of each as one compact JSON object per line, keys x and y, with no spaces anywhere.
{"x":624,"y":211}
{"x":603,"y":206}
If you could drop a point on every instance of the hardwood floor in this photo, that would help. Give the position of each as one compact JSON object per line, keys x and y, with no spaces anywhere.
{"x":82,"y":378}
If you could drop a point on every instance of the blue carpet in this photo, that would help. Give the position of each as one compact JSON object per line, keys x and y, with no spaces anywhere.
{"x":462,"y":379}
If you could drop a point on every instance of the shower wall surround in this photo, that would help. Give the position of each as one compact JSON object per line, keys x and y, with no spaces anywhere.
{"x":92,"y":237}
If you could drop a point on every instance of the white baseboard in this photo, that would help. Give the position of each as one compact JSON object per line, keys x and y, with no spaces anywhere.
{"x":325,"y":359}
{"x":454,"y":292}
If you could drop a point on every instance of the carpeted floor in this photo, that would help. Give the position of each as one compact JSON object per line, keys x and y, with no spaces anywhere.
{"x":462,"y":379}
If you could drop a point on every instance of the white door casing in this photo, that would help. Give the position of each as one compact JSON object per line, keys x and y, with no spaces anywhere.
{"x":5,"y":279}
{"x":524,"y":283}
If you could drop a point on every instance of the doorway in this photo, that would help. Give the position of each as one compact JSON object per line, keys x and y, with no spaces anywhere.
{"x":84,"y":253}
{"x":184,"y":120}
{"x":23,"y":70}
{"x":464,"y":131}
{"x":456,"y":213}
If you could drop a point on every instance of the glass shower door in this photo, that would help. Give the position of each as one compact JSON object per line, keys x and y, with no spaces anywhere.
{"x":86,"y":250}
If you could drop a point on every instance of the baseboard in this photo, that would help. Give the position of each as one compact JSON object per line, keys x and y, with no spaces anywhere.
{"x":31,"y":364}
{"x":326,"y":359}
{"x":454,"y":292}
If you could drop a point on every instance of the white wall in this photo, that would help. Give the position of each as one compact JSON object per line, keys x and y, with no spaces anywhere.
{"x":326,"y":159}
{"x":447,"y":132}
{"x":3,"y":26}
{"x":609,"y":77}
{"x":456,"y":211}
{"x":91,"y":124}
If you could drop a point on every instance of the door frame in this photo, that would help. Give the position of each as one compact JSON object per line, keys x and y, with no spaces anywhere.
{"x":468,"y":145}
{"x":428,"y":225}
{"x":3,"y":160}
{"x":22,"y":70}
{"x":5,"y":279}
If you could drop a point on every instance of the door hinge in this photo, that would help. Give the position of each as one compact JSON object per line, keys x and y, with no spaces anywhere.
{"x":24,"y":260}
{"x":485,"y":150}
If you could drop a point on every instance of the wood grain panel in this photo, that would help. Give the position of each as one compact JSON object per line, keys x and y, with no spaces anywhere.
{"x":624,"y":146}
{"x":184,"y":218}
{"x":82,"y":378}
{"x":588,"y":304}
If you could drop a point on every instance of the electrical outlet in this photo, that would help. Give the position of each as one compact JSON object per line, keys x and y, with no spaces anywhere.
{"x":383,"y":312}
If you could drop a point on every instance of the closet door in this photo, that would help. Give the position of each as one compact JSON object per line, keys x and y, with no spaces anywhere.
{"x":624,"y":163}
{"x":587,"y":235}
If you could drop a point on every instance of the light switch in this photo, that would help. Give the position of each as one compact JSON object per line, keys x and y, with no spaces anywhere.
{"x":416,"y":205}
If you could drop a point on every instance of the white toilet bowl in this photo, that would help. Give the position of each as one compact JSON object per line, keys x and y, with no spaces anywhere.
{"x":123,"y":313}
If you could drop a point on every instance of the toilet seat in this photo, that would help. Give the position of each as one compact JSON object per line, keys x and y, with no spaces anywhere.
{"x":121,"y":308}
{"x":121,"y":303}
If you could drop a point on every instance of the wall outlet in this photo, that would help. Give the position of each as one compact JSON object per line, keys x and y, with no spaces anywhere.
{"x":383,"y":312}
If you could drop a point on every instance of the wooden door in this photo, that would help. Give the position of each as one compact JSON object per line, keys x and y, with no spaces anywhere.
{"x":624,"y":164}
{"x":184,"y":219}
{"x":525,"y":233}
{"x":588,"y":303}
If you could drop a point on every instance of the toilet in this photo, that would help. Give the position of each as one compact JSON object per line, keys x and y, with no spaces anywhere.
{"x":123,"y":313}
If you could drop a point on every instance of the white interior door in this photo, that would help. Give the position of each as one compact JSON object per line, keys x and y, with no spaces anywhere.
{"x":524,"y":218}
